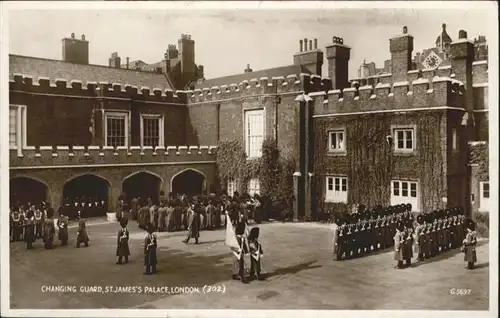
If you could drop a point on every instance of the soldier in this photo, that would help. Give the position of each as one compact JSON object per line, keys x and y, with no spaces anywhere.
{"x":420,"y":238}
{"x":162,"y":215}
{"x":256,"y":253}
{"x":408,"y":243}
{"x":238,"y":256}
{"x":22,"y":221}
{"x":17,"y":225}
{"x":119,"y":208}
{"x":398,"y":245}
{"x":82,"y":235}
{"x":194,"y":224}
{"x":150,"y":246}
{"x":134,"y":208}
{"x":29,"y":236}
{"x":122,"y":247}
{"x":349,"y":239}
{"x":77,"y":208}
{"x":336,"y":239}
{"x":49,"y":229}
{"x":469,"y":245}
{"x":210,"y":215}
{"x":62,"y":224}
{"x":169,"y":219}
{"x":453,"y":231}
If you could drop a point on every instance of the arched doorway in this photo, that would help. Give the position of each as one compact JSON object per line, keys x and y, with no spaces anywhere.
{"x":25,"y":190}
{"x":142,"y":185}
{"x":190,"y":182}
{"x":88,"y":188}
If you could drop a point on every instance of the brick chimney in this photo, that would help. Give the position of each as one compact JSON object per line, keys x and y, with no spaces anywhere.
{"x":75,"y":50}
{"x":248,"y":69}
{"x":401,"y":48}
{"x":311,"y":58}
{"x":462,"y":52}
{"x":186,"y":52}
{"x":115,"y":60}
{"x":338,"y":56}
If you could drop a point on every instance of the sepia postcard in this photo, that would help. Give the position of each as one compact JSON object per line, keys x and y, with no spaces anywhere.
{"x":249,"y":159}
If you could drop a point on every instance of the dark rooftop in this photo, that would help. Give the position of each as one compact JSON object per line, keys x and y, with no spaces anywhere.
{"x":269,"y":73}
{"x":55,"y":69}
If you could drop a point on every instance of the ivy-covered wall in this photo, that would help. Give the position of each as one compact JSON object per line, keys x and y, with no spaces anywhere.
{"x":370,"y":162}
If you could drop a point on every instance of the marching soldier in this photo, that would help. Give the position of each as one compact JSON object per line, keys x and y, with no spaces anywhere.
{"x":150,"y":246}
{"x":256,"y":253}
{"x":194,"y":224}
{"x":122,"y":247}
{"x":469,"y":245}
{"x":398,"y":245}
{"x":29,"y":235}
{"x":239,"y":256}
{"x":420,"y":238}
{"x":62,"y":224}
{"x":82,"y":235}
{"x":49,"y":229}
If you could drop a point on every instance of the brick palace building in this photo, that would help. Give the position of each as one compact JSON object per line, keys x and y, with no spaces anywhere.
{"x":414,"y":131}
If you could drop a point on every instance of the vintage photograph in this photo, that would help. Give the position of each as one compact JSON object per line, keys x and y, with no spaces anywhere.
{"x":279,"y":158}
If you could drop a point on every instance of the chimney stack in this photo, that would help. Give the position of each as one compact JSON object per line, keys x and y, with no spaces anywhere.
{"x":312,"y":60}
{"x":315,"y":44}
{"x":74,"y":50}
{"x":128,"y":61}
{"x":305,"y":44}
{"x":401,"y":48}
{"x":115,"y":60}
{"x":248,"y":69}
{"x":300,"y":45}
{"x":338,"y":56}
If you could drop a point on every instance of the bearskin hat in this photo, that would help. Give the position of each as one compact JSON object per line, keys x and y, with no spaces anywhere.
{"x":50,"y":213}
{"x":400,"y":226}
{"x":471,"y":225}
{"x":408,"y":207}
{"x":240,"y":228}
{"x":123,"y":222}
{"x":254,"y":233}
{"x":420,"y":219}
{"x":150,"y":228}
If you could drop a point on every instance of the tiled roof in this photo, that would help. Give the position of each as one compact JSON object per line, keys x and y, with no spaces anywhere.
{"x":269,"y":73}
{"x":55,"y":69}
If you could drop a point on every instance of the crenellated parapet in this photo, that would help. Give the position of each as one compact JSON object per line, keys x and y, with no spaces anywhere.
{"x":75,"y":88}
{"x":421,"y":93}
{"x":263,"y":86}
{"x":60,"y":156}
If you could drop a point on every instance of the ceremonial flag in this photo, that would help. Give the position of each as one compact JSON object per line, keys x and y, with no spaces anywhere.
{"x":231,"y":240}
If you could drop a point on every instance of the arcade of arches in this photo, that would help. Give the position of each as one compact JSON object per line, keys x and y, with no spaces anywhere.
{"x":93,"y":187}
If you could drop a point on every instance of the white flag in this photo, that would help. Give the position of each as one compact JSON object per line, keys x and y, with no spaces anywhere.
{"x":231,"y":240}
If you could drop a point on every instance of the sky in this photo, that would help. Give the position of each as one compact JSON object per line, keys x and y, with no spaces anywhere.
{"x":226,"y":41}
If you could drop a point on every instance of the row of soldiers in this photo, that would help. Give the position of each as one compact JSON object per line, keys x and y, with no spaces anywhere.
{"x":29,"y":223}
{"x":174,"y":214}
{"x":82,"y":207}
{"x":367,"y":231}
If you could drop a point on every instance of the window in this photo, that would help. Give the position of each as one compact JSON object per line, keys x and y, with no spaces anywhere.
{"x":454,"y":139}
{"x":404,"y":139}
{"x":336,"y":189}
{"x":254,"y":186}
{"x":254,"y":132}
{"x":17,"y":127}
{"x":231,"y":186}
{"x":336,"y":140}
{"x":484,"y":196}
{"x":403,"y":192}
{"x":152,"y":130}
{"x":116,"y":129}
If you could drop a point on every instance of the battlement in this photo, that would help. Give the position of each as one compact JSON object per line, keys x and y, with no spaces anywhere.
{"x":263,"y":86}
{"x":75,"y":88}
{"x":59,"y":156}
{"x":422,"y":92}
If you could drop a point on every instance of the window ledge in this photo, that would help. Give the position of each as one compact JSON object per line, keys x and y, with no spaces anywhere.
{"x":405,"y":152}
{"x":334,"y":201}
{"x":335,"y":153}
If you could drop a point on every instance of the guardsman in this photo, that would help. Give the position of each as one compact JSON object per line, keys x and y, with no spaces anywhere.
{"x":62,"y":224}
{"x":162,"y":215}
{"x":22,"y":217}
{"x":119,"y":208}
{"x":239,"y":257}
{"x":17,"y":225}
{"x":169,"y":219}
{"x":194,"y":224}
{"x":453,"y":231}
{"x":446,"y":230}
{"x":256,"y":253}
{"x":420,"y":238}
{"x":29,"y":234}
{"x":38,"y":223}
{"x":210,"y":215}
{"x":408,"y":243}
{"x":342,"y":240}
{"x":469,"y":245}
{"x":336,"y":239}
{"x":104,"y":207}
{"x":349,"y":239}
{"x":77,"y":208}
{"x":49,"y":229}
{"x":150,"y":246}
{"x":122,"y":247}
{"x":82,"y":235}
{"x":133,"y":208}
{"x":398,"y":245}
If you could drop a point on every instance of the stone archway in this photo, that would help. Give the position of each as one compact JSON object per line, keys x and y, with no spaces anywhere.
{"x":25,"y":190}
{"x":142,"y":185}
{"x":189,"y":181}
{"x":88,"y":188}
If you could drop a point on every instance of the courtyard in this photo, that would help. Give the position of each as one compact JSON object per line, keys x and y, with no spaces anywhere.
{"x":297,"y":258}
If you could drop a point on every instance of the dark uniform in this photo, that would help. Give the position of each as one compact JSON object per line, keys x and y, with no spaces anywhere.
{"x":29,"y":236}
{"x":134,"y":208}
{"x":122,"y":247}
{"x":82,"y":235}
{"x":256,"y":253}
{"x":194,"y":224}
{"x":469,"y":245}
{"x":62,"y":224}
{"x":239,"y":256}
{"x":16,"y":225}
{"x":150,"y":246}
{"x":49,"y":229}
{"x":39,"y":217}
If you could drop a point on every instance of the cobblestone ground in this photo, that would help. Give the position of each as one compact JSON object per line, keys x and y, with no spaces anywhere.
{"x":302,"y":274}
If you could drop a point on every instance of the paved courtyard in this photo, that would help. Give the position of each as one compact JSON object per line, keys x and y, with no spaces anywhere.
{"x":301,"y":273}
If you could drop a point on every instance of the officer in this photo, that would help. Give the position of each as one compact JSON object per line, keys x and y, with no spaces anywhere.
{"x":39,"y":217}
{"x":17,"y":225}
